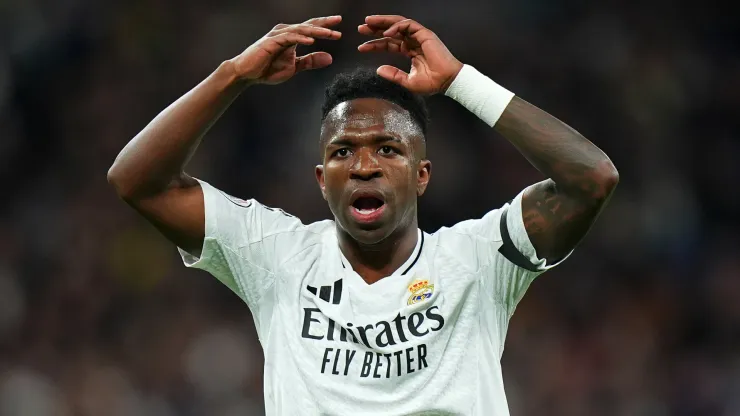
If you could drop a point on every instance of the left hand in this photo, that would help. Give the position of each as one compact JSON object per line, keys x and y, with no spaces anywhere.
{"x":433,"y":67}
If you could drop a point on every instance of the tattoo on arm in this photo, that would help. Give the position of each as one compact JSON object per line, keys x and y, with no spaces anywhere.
{"x":554,"y":221}
{"x":558,"y":212}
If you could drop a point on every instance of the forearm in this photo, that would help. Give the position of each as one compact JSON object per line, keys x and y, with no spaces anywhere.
{"x":576,"y":165}
{"x":155,"y":158}
{"x":558,"y":212}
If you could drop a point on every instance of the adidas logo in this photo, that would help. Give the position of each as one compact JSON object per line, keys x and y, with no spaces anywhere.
{"x":325,"y":292}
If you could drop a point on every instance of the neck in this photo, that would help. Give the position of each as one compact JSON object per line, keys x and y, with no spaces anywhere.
{"x":376,"y":261}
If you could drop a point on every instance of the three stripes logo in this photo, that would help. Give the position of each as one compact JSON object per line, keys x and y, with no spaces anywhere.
{"x":325,"y":292}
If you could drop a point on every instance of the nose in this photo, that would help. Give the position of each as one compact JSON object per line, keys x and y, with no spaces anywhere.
{"x":365,"y":166}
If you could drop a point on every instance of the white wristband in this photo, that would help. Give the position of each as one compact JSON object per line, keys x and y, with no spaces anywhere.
{"x":479,"y":94}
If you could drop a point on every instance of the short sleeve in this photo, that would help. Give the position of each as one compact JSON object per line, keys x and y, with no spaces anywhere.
{"x":237,"y":248}
{"x":504,"y":249}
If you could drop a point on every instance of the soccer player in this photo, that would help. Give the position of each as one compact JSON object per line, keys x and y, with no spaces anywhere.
{"x":366,"y":314}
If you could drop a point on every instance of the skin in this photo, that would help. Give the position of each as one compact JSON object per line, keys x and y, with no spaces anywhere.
{"x":373,"y":144}
{"x":557,"y":212}
{"x":149,"y":172}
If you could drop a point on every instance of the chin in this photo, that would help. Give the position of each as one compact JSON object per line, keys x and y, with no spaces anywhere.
{"x":369,"y":234}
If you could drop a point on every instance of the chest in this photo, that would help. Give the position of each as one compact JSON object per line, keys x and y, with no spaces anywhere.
{"x":330,"y":305}
{"x":402,"y":330}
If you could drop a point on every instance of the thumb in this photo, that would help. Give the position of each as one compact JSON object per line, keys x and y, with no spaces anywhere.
{"x":393,"y":74}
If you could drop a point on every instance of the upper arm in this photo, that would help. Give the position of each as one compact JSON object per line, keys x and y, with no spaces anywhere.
{"x":497,"y":246}
{"x":240,"y":242}
{"x":500,"y":246}
{"x":555,"y":221}
{"x":178,"y":213}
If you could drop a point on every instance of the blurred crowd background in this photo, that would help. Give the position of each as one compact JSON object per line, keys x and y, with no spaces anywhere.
{"x":99,"y":317}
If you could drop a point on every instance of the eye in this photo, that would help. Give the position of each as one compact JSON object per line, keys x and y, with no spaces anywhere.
{"x":387,"y":150}
{"x":343,"y":152}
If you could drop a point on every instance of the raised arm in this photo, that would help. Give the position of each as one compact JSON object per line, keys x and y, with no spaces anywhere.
{"x":149,"y":172}
{"x":557,"y":212}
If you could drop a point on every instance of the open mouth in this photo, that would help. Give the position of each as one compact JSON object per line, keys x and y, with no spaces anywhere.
{"x":367,"y":204}
{"x":367,"y":208}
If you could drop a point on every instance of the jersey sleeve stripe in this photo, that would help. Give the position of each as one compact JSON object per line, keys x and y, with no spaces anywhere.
{"x":510,"y":251}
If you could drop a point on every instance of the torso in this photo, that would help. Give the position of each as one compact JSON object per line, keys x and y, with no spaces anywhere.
{"x":415,"y":339}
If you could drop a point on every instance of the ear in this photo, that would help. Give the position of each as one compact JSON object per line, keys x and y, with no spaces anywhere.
{"x":423,"y":175}
{"x":320,"y":179}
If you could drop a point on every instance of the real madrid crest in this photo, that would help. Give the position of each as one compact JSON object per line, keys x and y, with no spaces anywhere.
{"x":420,"y":290}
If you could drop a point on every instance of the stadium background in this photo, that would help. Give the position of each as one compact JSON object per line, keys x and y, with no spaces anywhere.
{"x":99,"y":317}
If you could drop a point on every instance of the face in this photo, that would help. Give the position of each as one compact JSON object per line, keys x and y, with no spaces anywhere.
{"x":374,"y":168}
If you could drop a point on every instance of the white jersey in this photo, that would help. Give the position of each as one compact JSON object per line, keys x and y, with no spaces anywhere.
{"x":426,"y":340}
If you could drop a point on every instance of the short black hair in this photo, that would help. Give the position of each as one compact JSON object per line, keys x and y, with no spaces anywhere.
{"x":366,"y":83}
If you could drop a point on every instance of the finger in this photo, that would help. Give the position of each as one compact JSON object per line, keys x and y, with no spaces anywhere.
{"x":326,"y":21}
{"x":385,"y":45}
{"x":283,"y":41}
{"x":374,"y":31}
{"x":393,"y":74}
{"x":406,"y":27}
{"x":314,"y":60}
{"x":383,"y":20}
{"x":308,"y":30}
{"x":370,"y":31}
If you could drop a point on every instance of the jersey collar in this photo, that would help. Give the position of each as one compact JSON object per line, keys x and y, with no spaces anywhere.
{"x":405,"y":267}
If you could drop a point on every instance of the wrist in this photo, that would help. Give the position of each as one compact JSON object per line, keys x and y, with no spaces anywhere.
{"x":479,"y":94}
{"x":228,"y":72}
{"x":446,"y":85}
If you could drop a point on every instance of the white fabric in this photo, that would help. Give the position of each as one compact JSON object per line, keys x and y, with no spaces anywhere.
{"x":439,"y":355}
{"x":479,"y":94}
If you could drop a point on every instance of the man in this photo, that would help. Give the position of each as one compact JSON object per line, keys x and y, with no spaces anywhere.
{"x":366,"y":314}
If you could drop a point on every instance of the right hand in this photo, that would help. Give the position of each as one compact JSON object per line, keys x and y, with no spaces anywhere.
{"x":272,"y":59}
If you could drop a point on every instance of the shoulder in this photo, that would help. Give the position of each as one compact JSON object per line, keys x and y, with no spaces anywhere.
{"x":471,"y":243}
{"x":291,"y":225}
{"x":485,"y":229}
{"x":448,"y":246}
{"x":287,"y":229}
{"x":305,"y":248}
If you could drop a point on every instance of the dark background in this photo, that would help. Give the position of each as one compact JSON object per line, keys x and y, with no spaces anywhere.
{"x":99,"y":317}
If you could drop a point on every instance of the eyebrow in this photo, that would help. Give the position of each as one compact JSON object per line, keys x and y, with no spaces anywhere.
{"x":344,"y":141}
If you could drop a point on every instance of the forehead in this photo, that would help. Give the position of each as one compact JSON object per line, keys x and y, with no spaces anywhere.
{"x":369,"y":115}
